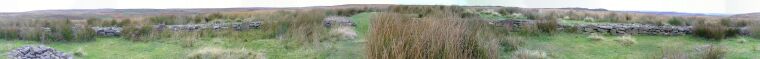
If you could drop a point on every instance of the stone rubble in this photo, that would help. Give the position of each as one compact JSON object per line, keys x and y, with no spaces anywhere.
{"x":37,"y":52}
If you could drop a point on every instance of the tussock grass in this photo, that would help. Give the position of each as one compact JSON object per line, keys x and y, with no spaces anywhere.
{"x":596,"y":37}
{"x":712,"y":30}
{"x":626,"y":40}
{"x":396,"y":36}
{"x":713,"y":52}
{"x":673,"y":52}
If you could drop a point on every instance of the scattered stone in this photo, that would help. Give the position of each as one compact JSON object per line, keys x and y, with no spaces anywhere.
{"x":37,"y":52}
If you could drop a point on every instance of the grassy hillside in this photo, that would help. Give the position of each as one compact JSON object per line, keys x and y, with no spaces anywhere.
{"x":386,"y":32}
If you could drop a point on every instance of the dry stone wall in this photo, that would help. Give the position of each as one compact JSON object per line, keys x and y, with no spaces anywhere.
{"x":115,"y":31}
{"x":616,"y":29}
{"x":621,"y":29}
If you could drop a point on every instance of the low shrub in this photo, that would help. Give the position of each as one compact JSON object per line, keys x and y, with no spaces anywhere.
{"x":219,"y":53}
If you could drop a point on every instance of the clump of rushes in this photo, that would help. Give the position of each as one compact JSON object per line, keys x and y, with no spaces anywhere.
{"x":433,"y":37}
{"x":304,"y":28}
{"x":547,"y":26}
{"x":711,"y":31}
{"x":755,"y":30}
{"x":713,"y":52}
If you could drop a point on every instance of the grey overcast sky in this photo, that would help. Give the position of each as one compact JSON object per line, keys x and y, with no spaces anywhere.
{"x":691,"y":6}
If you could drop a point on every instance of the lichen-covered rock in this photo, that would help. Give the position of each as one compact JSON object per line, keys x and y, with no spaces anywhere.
{"x":108,"y":31}
{"x":37,"y":52}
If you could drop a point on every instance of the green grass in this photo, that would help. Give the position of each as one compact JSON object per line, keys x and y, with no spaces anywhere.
{"x":577,"y":46}
{"x":118,"y":48}
{"x":558,"y":46}
{"x":362,"y":21}
{"x":108,"y":48}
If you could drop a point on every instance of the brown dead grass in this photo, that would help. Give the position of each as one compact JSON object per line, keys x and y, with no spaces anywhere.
{"x":394,"y":36}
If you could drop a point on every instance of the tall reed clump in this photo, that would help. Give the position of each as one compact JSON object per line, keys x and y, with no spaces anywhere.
{"x":61,"y":30}
{"x":547,"y":26}
{"x":9,"y":30}
{"x":304,"y":27}
{"x":754,"y":30}
{"x":44,"y":30}
{"x":84,"y":33}
{"x":394,"y":36}
{"x":711,"y":31}
{"x":137,"y":31}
